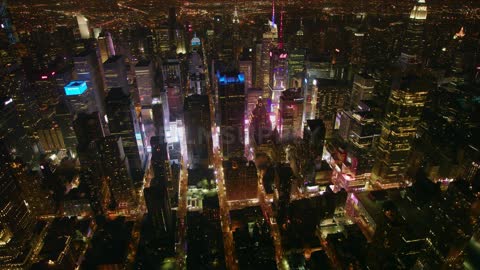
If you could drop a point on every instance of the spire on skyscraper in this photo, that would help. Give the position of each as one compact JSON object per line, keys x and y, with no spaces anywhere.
{"x":273,"y":13}
{"x":235,"y":16}
{"x":280,"y":33}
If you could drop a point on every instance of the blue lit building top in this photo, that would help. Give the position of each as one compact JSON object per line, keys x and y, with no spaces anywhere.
{"x":75,"y":88}
{"x":231,"y":79}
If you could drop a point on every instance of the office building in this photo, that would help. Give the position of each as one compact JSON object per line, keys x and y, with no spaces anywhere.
{"x":80,"y":98}
{"x":241,"y":180}
{"x":144,"y":75}
{"x":196,"y":74}
{"x":246,"y":67}
{"x":116,"y":171}
{"x":290,"y":112}
{"x":198,"y":132}
{"x":363,"y":89}
{"x":83,"y":27}
{"x":116,"y":73}
{"x":105,"y":46}
{"x":87,"y":68}
{"x":412,"y":49}
{"x":404,"y":110}
{"x":159,"y":209}
{"x":16,"y":222}
{"x":231,"y":107}
{"x":123,"y":122}
{"x":50,"y":137}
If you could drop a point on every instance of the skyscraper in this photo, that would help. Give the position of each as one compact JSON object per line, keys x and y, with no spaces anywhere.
{"x":246,"y":67}
{"x":159,"y":209}
{"x":116,"y":73}
{"x":83,"y":27}
{"x":231,"y":94}
{"x":116,"y":170}
{"x":12,"y":132}
{"x":172,"y":77}
{"x":404,"y":110}
{"x":16,"y":222}
{"x":89,"y":129}
{"x":105,"y":46}
{"x":87,"y":68}
{"x":290,"y":114}
{"x":412,"y":49}
{"x":144,"y":75}
{"x":7,"y":29}
{"x":198,"y":130}
{"x":80,"y":98}
{"x":123,"y":122}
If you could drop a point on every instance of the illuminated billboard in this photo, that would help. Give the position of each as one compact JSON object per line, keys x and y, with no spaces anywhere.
{"x":75,"y":88}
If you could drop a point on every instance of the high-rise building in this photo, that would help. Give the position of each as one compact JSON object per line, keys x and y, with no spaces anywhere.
{"x":105,"y":46}
{"x":198,"y":132}
{"x":231,"y":95}
{"x":278,"y":81}
{"x":172,"y":77}
{"x":196,"y":74}
{"x":64,"y":119}
{"x":412,"y":49}
{"x":145,"y":84}
{"x":159,"y":209}
{"x":87,"y":68}
{"x":331,"y":97}
{"x":246,"y":67}
{"x":116,"y":73}
{"x":404,"y":110}
{"x":363,"y":87}
{"x":123,"y":122}
{"x":7,"y":33}
{"x":83,"y":27}
{"x":12,"y":133}
{"x":260,"y":130}
{"x":115,"y":169}
{"x":241,"y":180}
{"x":50,"y":136}
{"x":80,"y":98}
{"x":296,"y":66}
{"x":253,"y":95}
{"x":16,"y":222}
{"x":160,"y":162}
{"x":290,"y":115}
{"x":269,"y":42}
{"x":89,"y":130}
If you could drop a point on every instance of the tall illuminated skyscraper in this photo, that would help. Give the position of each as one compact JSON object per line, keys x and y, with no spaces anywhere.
{"x":123,"y":121}
{"x":404,"y":110}
{"x":144,"y":75}
{"x":231,"y":94}
{"x":412,"y":49}
{"x":83,"y":27}
{"x":290,"y":115}
{"x":269,"y":42}
{"x":105,"y":46}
